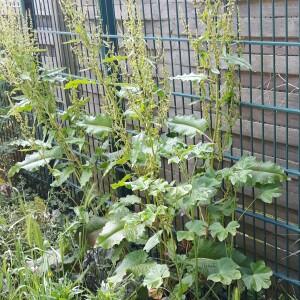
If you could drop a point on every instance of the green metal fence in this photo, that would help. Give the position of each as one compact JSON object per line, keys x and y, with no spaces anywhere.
{"x":269,"y":125}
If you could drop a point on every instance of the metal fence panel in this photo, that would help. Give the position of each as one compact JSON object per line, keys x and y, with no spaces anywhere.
{"x":270,"y":108}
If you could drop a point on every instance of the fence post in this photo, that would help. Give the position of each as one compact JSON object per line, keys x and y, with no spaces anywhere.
{"x":108,"y":18}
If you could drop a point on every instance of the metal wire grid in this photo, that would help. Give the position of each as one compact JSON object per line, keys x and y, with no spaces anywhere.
{"x":270,"y":106}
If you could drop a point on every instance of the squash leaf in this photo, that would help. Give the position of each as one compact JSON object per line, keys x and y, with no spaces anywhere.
{"x":226,"y":271}
{"x":259,"y":278}
{"x":217,"y":230}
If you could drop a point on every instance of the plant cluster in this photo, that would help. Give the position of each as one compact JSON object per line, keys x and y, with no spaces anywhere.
{"x":145,"y":256}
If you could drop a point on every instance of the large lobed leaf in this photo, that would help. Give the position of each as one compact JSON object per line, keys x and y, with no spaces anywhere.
{"x":259,"y":278}
{"x":248,"y":172}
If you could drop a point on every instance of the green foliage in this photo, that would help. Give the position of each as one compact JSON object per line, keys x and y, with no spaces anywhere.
{"x":259,"y":276}
{"x":187,"y":125}
{"x":35,"y":160}
{"x":96,"y":125}
{"x":225,"y":271}
{"x":221,"y":233}
{"x":198,"y":261}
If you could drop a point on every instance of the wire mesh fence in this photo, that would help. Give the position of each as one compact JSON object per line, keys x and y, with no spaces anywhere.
{"x":269,"y":123}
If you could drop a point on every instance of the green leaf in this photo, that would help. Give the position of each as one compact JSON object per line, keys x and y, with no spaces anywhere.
{"x":142,"y":149}
{"x":217,"y":230}
{"x":121,"y":183}
{"x":114,"y":58}
{"x":250,"y":172}
{"x":33,"y":232}
{"x":205,"y":187}
{"x":226,"y":271}
{"x":176,"y":194}
{"x":100,"y":124}
{"x":36,"y":160}
{"x":53,"y":76}
{"x":190,"y":77}
{"x":62,"y":176}
{"x":182,"y":287}
{"x":268,"y":192}
{"x":155,"y":275}
{"x":141,"y":184}
{"x":111,"y":234}
{"x":153,"y":241}
{"x":86,"y":175}
{"x":185,"y":235}
{"x":187,"y":125}
{"x":197,"y":226}
{"x":219,"y":209}
{"x":236,"y":60}
{"x":73,"y":84}
{"x":259,"y":278}
{"x":130,"y":261}
{"x":24,"y":105}
{"x":130,"y":200}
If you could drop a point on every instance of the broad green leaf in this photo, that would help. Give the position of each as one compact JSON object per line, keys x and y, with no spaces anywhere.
{"x":86,"y":175}
{"x":205,"y":266}
{"x":24,"y":105}
{"x":36,"y":160}
{"x":130,"y":200}
{"x":214,"y":250}
{"x":142,"y":149}
{"x":73,"y":84}
{"x":111,"y":234}
{"x":190,"y":77}
{"x":130,"y":260}
{"x":219,"y":209}
{"x":268,"y":192}
{"x":226,"y":271}
{"x":205,"y":187}
{"x":134,"y":229}
{"x":185,"y":235}
{"x":154,"y":277}
{"x":198,"y":227}
{"x":158,"y":186}
{"x":141,"y":184}
{"x":62,"y":176}
{"x":101,"y":124}
{"x":236,"y":60}
{"x":31,"y":143}
{"x":217,"y":230}
{"x":182,"y":287}
{"x":176,"y":194}
{"x":187,"y":125}
{"x":250,"y":172}
{"x":153,"y":241}
{"x":259,"y":278}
